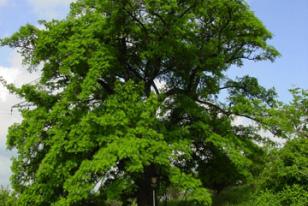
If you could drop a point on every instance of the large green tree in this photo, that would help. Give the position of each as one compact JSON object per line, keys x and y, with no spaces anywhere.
{"x":129,"y":93}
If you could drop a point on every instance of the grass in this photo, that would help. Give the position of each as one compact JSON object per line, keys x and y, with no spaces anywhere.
{"x":234,"y":196}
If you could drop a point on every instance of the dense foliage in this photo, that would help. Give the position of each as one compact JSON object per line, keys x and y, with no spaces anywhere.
{"x":129,"y":92}
{"x":283,"y":180}
{"x":7,"y":197}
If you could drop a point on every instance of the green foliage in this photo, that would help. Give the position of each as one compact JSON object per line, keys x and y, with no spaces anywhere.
{"x":288,"y":166}
{"x":283,"y":181}
{"x":295,"y":123}
{"x":285,"y":176}
{"x":235,"y":196}
{"x":290,"y":120}
{"x":97,"y":128}
{"x":247,"y":195}
{"x":7,"y":198}
{"x":294,"y":196}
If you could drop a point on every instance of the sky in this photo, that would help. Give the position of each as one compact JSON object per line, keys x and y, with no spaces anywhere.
{"x":287,"y":20}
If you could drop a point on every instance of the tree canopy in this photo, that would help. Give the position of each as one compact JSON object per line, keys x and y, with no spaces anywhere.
{"x":7,"y":198}
{"x":129,"y":91}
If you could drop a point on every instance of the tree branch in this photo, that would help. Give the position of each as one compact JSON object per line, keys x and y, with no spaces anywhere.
{"x":160,"y":17}
{"x":187,"y":10}
{"x":138,"y":21}
{"x":214,"y":106}
{"x":106,"y":86}
{"x":155,"y":88}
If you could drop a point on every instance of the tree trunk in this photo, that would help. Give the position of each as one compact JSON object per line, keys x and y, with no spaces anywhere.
{"x":145,"y":188}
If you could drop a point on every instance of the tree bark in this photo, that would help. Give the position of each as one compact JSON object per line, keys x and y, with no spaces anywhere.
{"x":145,"y":189}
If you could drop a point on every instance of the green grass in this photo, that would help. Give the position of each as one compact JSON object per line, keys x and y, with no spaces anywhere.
{"x":234,"y":196}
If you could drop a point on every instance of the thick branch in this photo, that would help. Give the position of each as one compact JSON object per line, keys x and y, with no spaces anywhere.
{"x":232,"y":86}
{"x":210,"y":104}
{"x":160,"y":17}
{"x":138,"y":21}
{"x":106,"y":86}
{"x":136,"y":73}
{"x":155,"y":88}
{"x":188,"y":9}
{"x":228,"y":112}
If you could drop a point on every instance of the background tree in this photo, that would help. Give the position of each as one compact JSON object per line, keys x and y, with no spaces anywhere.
{"x":7,"y":197}
{"x":284,"y":178}
{"x":99,"y":128}
{"x":291,"y":119}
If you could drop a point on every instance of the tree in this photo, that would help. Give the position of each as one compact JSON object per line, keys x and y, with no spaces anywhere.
{"x":7,"y":198}
{"x":291,"y":119}
{"x":285,"y":176}
{"x":98,"y":127}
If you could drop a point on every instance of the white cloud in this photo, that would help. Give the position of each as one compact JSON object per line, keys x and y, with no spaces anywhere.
{"x":49,"y":9}
{"x":18,"y":75}
{"x":4,"y":171}
{"x":6,"y":119}
{"x":9,"y":75}
{"x":3,"y":2}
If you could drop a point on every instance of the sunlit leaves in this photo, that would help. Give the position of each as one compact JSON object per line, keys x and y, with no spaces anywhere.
{"x":97,"y":127}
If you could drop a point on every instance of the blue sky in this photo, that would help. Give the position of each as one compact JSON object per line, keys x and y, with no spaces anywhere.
{"x":287,"y":20}
{"x":13,"y":14}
